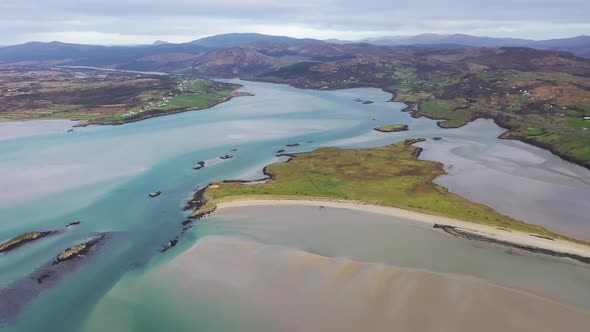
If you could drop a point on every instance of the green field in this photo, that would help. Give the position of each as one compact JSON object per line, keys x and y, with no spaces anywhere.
{"x":391,"y":128}
{"x":99,"y":98}
{"x":190,"y":94}
{"x":390,"y":176}
{"x":446,"y":110}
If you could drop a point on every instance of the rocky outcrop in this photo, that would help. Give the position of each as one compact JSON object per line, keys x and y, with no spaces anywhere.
{"x":458,"y":232}
{"x":200,"y":165}
{"x":74,"y":223}
{"x":154,"y":194}
{"x":170,"y":244}
{"x":77,"y":250}
{"x":19,"y":240}
{"x":411,"y":141}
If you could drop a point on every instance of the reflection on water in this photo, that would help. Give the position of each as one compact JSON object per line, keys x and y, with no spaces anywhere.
{"x":102,"y":174}
{"x":514,"y":178}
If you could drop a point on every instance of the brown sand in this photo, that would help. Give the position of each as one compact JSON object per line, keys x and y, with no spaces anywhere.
{"x":293,"y":290}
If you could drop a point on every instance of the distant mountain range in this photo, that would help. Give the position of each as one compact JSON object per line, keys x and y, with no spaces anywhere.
{"x":238,"y":54}
{"x":577,"y":45}
{"x":240,"y":39}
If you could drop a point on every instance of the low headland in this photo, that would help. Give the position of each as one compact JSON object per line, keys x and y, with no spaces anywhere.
{"x":95,"y":96}
{"x":388,"y":179}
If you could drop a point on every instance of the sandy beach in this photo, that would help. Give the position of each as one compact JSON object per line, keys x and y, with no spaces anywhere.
{"x":478,"y":229}
{"x":289,"y":289}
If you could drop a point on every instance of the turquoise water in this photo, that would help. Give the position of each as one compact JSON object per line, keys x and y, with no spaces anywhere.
{"x":223,"y":297}
{"x":102,"y":175}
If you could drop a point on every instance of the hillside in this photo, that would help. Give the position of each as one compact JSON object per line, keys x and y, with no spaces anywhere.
{"x":540,"y":96}
{"x":579,"y":45}
{"x":239,"y":39}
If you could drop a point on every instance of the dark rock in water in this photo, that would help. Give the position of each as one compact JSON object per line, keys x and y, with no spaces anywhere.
{"x":199,"y":200}
{"x":374,"y":119}
{"x":200,"y":165}
{"x":437,"y":138}
{"x":44,"y":276}
{"x":77,"y":250}
{"x":309,"y":141}
{"x":234,"y":150}
{"x":77,"y":222}
{"x":19,"y":240}
{"x":17,"y":295}
{"x":293,"y":144}
{"x":71,"y":130}
{"x":155,"y":194}
{"x":280,"y":151}
{"x":469,"y":235}
{"x":186,"y":222}
{"x":169,"y":245}
{"x":367,"y":102}
{"x":227,"y":156}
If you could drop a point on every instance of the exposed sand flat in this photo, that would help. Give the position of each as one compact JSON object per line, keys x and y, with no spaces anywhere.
{"x":293,"y":290}
{"x":483,"y":230}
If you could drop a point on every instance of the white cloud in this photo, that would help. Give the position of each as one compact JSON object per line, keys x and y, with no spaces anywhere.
{"x":143,"y":21}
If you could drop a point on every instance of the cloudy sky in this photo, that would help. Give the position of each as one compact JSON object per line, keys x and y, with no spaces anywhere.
{"x":144,"y":21}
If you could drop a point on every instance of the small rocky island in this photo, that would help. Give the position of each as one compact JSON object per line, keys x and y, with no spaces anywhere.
{"x":200,"y":165}
{"x":19,"y":240}
{"x":391,"y":128}
{"x":155,"y":194}
{"x":77,"y":250}
{"x":227,"y":156}
{"x":364,"y":102}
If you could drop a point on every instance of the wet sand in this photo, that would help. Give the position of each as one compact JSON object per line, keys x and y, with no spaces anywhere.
{"x":290,"y":289}
{"x":514,"y":237}
{"x":514,"y":178}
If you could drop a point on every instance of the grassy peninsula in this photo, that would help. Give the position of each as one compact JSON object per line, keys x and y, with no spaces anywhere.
{"x":389,"y":176}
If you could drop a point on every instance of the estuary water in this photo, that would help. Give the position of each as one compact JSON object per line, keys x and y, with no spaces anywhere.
{"x":101,"y":175}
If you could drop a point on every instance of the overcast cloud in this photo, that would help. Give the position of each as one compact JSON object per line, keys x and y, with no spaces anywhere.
{"x":144,"y":21}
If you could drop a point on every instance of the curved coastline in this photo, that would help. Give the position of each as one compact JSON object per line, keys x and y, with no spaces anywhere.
{"x":479,"y":232}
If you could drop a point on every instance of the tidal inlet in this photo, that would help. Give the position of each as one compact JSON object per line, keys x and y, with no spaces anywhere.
{"x":321,"y":181}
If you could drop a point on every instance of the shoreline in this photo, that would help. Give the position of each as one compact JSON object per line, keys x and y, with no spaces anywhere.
{"x":463,"y":229}
{"x":234,"y":94}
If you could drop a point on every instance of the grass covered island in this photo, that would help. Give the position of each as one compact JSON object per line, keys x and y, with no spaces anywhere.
{"x":21,"y":239}
{"x":386,"y":176}
{"x":391,"y":128}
